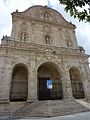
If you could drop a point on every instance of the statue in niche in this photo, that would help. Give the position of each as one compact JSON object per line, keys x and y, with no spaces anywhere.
{"x":46,"y":16}
{"x":68,"y":41}
{"x":47,"y":39}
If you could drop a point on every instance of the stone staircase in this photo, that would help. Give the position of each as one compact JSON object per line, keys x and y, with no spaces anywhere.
{"x":49,"y":108}
{"x":83,"y":102}
{"x":6,"y":109}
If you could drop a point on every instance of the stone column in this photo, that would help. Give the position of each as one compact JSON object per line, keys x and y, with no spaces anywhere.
{"x":32,"y":82}
{"x":66,"y":85}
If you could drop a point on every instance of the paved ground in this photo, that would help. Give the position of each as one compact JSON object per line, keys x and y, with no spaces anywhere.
{"x":79,"y":116}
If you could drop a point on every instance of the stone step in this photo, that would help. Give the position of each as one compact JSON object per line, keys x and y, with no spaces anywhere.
{"x":49,"y":108}
{"x":84,"y":102}
{"x":7,"y":109}
{"x":15,"y":105}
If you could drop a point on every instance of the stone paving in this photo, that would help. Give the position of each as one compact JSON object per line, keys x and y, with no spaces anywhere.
{"x":78,"y":116}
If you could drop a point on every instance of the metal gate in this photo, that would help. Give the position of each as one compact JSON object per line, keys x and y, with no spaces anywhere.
{"x":52,"y":93}
{"x":77,"y":89}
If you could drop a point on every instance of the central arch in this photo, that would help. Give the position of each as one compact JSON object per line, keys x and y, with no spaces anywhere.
{"x":49,"y":82}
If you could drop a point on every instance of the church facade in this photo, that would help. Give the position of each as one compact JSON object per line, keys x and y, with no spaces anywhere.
{"x":41,"y":60}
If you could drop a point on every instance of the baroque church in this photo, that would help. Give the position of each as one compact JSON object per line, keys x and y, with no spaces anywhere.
{"x":41,"y":60}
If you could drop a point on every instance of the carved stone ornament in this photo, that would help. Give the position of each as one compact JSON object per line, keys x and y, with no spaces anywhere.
{"x":48,"y":54}
{"x":23,"y":36}
{"x":66,"y":33}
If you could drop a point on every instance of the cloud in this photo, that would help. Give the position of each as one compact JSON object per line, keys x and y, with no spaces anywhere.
{"x":5,"y":14}
{"x":39,"y":2}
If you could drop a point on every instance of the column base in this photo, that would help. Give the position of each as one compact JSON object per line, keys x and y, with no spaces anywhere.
{"x":31,"y":100}
{"x":68,"y":97}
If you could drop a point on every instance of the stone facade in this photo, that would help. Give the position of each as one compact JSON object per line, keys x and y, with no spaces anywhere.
{"x":41,"y":38}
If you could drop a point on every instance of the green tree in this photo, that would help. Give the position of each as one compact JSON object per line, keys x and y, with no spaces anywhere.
{"x":78,"y":8}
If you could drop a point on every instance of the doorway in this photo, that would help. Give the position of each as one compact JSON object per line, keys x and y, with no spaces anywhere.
{"x":49,"y":82}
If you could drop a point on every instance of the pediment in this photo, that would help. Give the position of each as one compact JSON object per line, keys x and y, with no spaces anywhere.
{"x":45,"y":14}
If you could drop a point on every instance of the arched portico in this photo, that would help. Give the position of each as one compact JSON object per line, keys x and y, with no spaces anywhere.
{"x":76,"y":83}
{"x":19,"y":83}
{"x":49,"y":82}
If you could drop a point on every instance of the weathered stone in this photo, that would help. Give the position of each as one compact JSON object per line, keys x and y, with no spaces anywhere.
{"x":42,"y":40}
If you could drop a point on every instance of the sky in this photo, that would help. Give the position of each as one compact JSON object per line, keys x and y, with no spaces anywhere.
{"x":9,"y":6}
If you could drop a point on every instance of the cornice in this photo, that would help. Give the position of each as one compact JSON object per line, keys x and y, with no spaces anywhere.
{"x":37,"y":48}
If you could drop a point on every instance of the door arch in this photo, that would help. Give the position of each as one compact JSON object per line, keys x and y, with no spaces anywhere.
{"x":76,"y":82}
{"x":19,"y":83}
{"x":49,"y":82}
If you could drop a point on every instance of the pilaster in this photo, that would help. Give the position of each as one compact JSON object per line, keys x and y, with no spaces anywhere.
{"x":5,"y":84}
{"x":86,"y":85}
{"x":32,"y":82}
{"x":66,"y":85}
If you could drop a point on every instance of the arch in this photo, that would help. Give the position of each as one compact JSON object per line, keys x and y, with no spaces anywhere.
{"x":56,"y":65}
{"x":49,"y":81}
{"x":19,"y":83}
{"x":19,"y":64}
{"x":76,"y":82}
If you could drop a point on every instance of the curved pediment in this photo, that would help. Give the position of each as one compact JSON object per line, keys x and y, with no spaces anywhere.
{"x":45,"y":14}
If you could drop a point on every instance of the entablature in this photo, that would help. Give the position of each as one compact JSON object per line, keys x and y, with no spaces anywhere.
{"x":11,"y":44}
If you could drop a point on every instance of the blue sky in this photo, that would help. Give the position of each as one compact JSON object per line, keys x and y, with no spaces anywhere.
{"x":82,"y":30}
